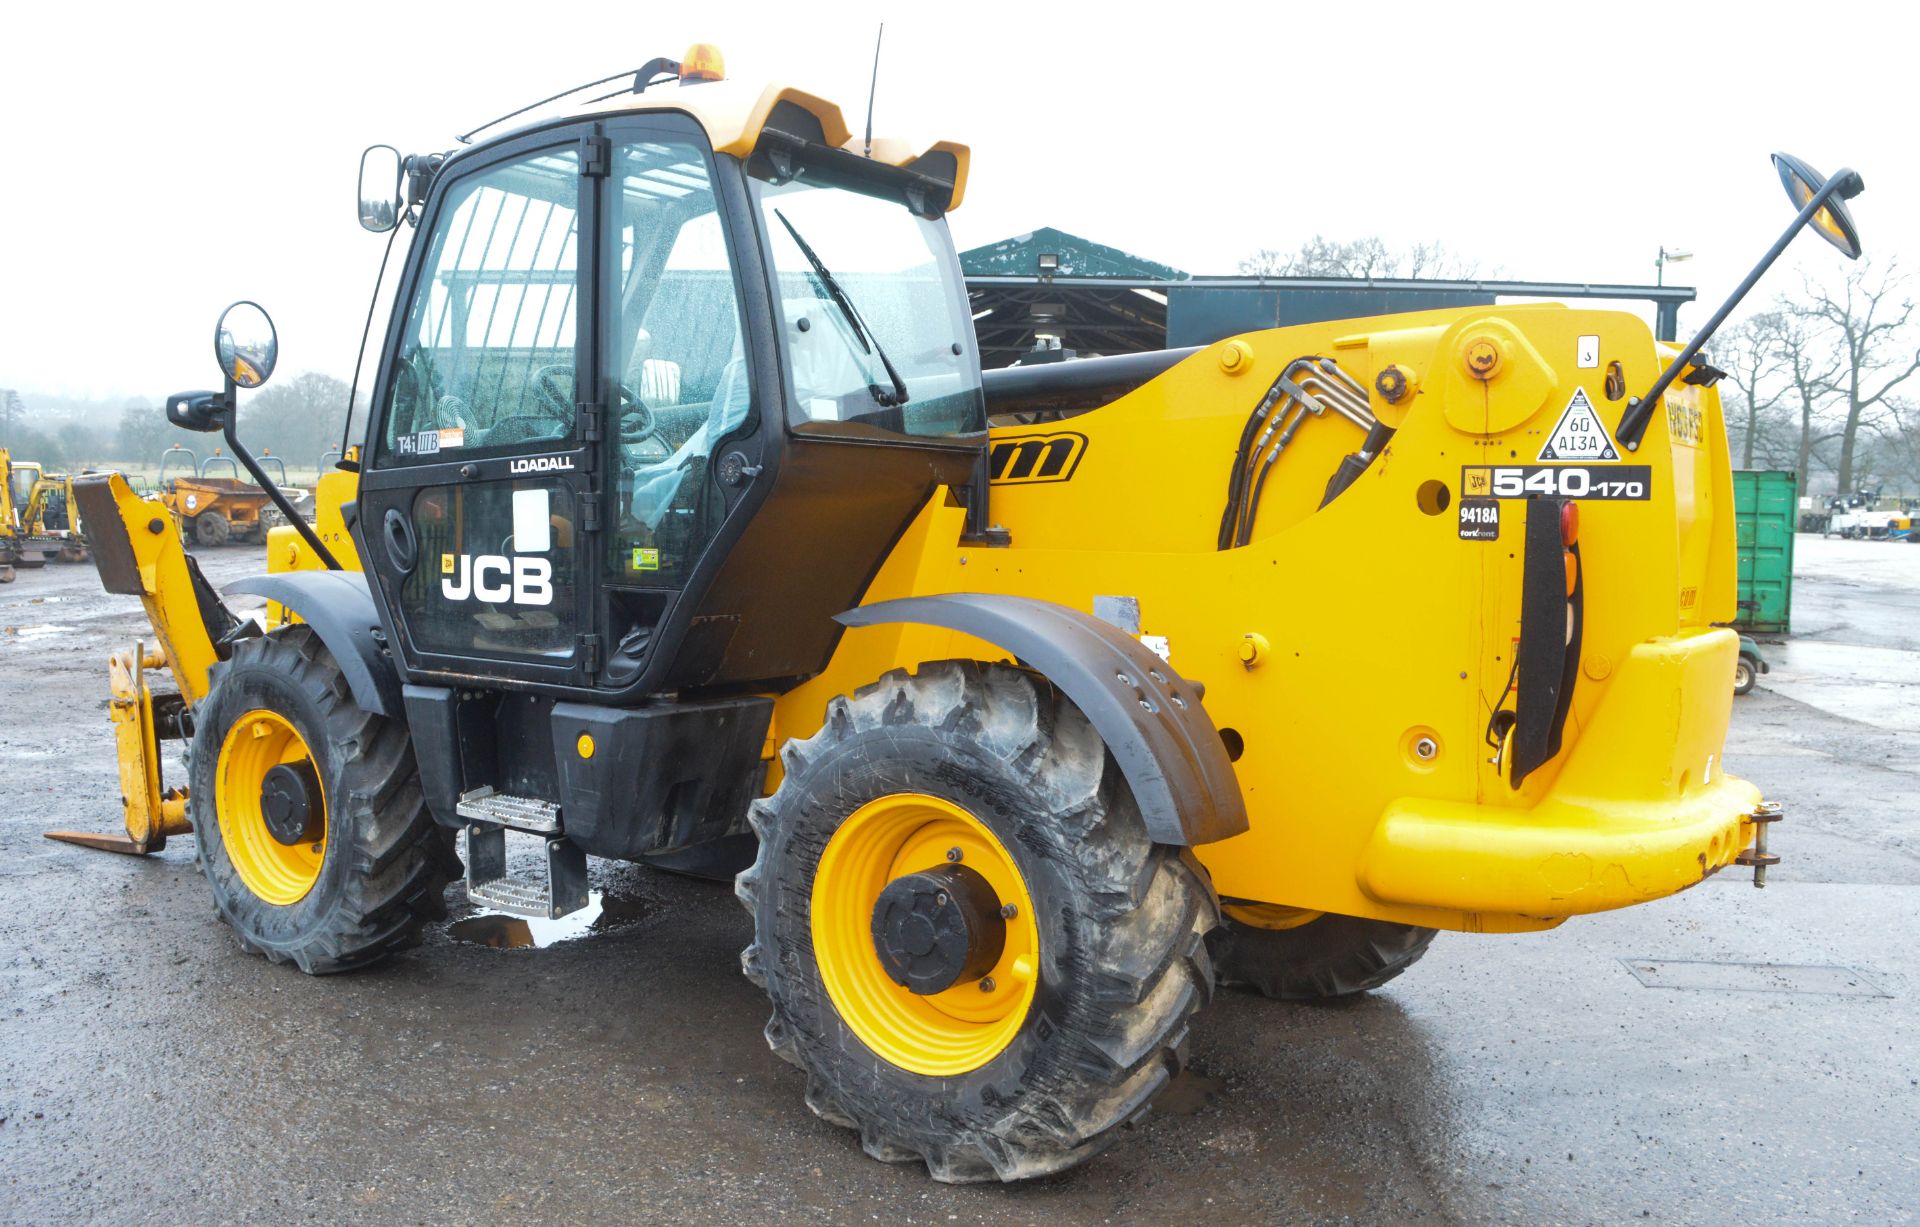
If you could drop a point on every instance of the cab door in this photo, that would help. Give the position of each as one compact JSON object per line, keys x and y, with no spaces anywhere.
{"x":477,"y":511}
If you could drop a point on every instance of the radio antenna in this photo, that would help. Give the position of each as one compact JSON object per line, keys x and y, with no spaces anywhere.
{"x":874,"y":84}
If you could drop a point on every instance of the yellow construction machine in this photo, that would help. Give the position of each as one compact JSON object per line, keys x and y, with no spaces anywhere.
{"x":1025,"y":704}
{"x":38,"y":522}
{"x":213,"y":503}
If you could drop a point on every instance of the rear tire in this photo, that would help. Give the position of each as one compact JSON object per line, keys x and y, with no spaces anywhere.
{"x":1333,"y":956}
{"x":1118,"y":922}
{"x":211,"y":528}
{"x":381,"y":864}
{"x":1743,"y":676}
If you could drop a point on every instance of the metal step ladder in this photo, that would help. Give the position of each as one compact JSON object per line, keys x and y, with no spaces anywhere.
{"x":491,"y":815}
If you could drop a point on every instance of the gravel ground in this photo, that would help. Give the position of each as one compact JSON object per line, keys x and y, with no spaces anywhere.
{"x":152,"y":1072}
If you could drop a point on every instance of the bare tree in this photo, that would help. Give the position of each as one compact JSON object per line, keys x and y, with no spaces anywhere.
{"x":1894,"y":448}
{"x":1810,"y":365}
{"x":1320,"y":256}
{"x":1870,"y":317}
{"x":143,"y":433}
{"x":298,"y":418}
{"x":1749,"y":352}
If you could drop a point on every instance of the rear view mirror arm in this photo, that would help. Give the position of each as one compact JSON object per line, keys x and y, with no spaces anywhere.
{"x":229,"y":419}
{"x":1845,"y":183}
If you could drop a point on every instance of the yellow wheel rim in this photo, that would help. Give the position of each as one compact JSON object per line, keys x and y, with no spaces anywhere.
{"x":938,"y":1034}
{"x":277,"y":873}
{"x":1270,"y":915}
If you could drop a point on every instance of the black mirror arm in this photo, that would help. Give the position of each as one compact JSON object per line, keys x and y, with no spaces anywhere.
{"x":229,"y":419}
{"x":1844,"y":183}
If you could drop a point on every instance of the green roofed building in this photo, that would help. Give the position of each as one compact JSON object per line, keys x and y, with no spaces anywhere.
{"x":1037,"y":296}
{"x":1072,"y":256}
{"x":1048,"y":295}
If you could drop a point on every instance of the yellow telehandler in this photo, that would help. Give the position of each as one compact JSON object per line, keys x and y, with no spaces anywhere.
{"x":1025,"y":705}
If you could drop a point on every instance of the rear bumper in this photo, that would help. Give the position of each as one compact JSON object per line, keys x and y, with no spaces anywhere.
{"x":1640,"y":809}
{"x":1558,"y":859}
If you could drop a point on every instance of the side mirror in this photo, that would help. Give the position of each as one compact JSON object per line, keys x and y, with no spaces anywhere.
{"x":1821,"y":203}
{"x":245,"y":344}
{"x":198,"y":411}
{"x":1832,"y":222}
{"x":380,"y":188}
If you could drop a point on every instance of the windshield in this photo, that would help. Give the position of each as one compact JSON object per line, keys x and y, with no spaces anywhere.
{"x":881,"y":289}
{"x":24,"y":475}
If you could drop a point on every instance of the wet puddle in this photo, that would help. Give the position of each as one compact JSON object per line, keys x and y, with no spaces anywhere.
{"x":602,"y":914}
{"x":43,"y":631}
{"x":1188,"y":1093}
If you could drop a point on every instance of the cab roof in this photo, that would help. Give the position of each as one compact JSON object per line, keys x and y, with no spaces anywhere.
{"x":735,"y":114}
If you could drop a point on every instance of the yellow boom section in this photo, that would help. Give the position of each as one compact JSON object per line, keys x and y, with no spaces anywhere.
{"x":136,"y":544}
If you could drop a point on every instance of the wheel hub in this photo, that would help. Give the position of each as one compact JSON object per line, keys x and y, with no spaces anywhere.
{"x":271,"y":807}
{"x":289,"y":802}
{"x":937,"y":928}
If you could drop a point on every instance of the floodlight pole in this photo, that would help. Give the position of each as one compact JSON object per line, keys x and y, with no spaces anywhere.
{"x":1633,"y":423}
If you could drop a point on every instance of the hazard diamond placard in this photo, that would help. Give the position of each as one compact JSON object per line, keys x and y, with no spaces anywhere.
{"x":1579,"y":435}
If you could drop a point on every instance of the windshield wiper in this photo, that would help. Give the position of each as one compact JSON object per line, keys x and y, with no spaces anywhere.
{"x":861,"y":333}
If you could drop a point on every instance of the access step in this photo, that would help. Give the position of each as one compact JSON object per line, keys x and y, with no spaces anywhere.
{"x":562,"y":890}
{"x":506,"y":810}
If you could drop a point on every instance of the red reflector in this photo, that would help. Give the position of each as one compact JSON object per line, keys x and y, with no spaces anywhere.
{"x":1569,"y":523}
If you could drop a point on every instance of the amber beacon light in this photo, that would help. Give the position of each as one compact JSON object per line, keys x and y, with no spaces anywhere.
{"x":702,"y":62}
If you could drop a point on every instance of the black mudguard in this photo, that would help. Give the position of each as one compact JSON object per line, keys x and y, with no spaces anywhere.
{"x":339,"y":607}
{"x":1150,"y":717}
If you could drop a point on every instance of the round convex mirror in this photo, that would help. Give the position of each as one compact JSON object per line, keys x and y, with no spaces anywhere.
{"x":245,"y":344}
{"x":1832,"y":222}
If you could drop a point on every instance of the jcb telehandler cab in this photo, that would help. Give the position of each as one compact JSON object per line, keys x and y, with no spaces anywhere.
{"x":686,"y":528}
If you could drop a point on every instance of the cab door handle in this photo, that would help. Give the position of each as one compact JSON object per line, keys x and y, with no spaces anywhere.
{"x":403,"y":549}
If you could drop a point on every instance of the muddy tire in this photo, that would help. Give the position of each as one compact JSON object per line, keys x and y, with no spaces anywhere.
{"x":212,"y":528}
{"x":364,"y":876}
{"x":1743,"y":676}
{"x":1333,"y":956}
{"x":1117,"y":921}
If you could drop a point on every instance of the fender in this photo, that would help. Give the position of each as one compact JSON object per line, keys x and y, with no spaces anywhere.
{"x":1157,"y":730}
{"x":339,"y":607}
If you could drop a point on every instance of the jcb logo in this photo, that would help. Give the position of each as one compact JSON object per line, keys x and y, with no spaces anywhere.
{"x":496,"y":578}
{"x":1035,"y":458}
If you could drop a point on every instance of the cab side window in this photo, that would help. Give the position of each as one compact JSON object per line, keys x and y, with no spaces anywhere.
{"x":487,"y":359}
{"x":679,"y":359}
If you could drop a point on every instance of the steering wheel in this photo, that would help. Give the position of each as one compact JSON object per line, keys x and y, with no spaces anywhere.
{"x":637,"y":423}
{"x":548,"y":393}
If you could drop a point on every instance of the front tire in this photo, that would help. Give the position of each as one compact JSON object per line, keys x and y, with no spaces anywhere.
{"x":369,"y":866}
{"x":211,"y":528}
{"x":1029,"y":1068}
{"x":1743,"y":676}
{"x":1326,"y":958}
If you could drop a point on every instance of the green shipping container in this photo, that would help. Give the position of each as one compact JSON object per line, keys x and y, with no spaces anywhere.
{"x":1766,"y":505}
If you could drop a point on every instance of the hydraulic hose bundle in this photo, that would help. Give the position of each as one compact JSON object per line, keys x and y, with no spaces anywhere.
{"x":1309,"y":386}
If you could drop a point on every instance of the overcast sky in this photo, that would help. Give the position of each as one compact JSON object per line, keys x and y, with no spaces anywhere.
{"x":167,"y":159}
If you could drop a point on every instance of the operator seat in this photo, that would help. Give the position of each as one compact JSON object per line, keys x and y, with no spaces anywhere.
{"x":656,"y":485}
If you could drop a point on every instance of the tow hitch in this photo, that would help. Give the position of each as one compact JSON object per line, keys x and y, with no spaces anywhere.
{"x":1764,"y":816}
